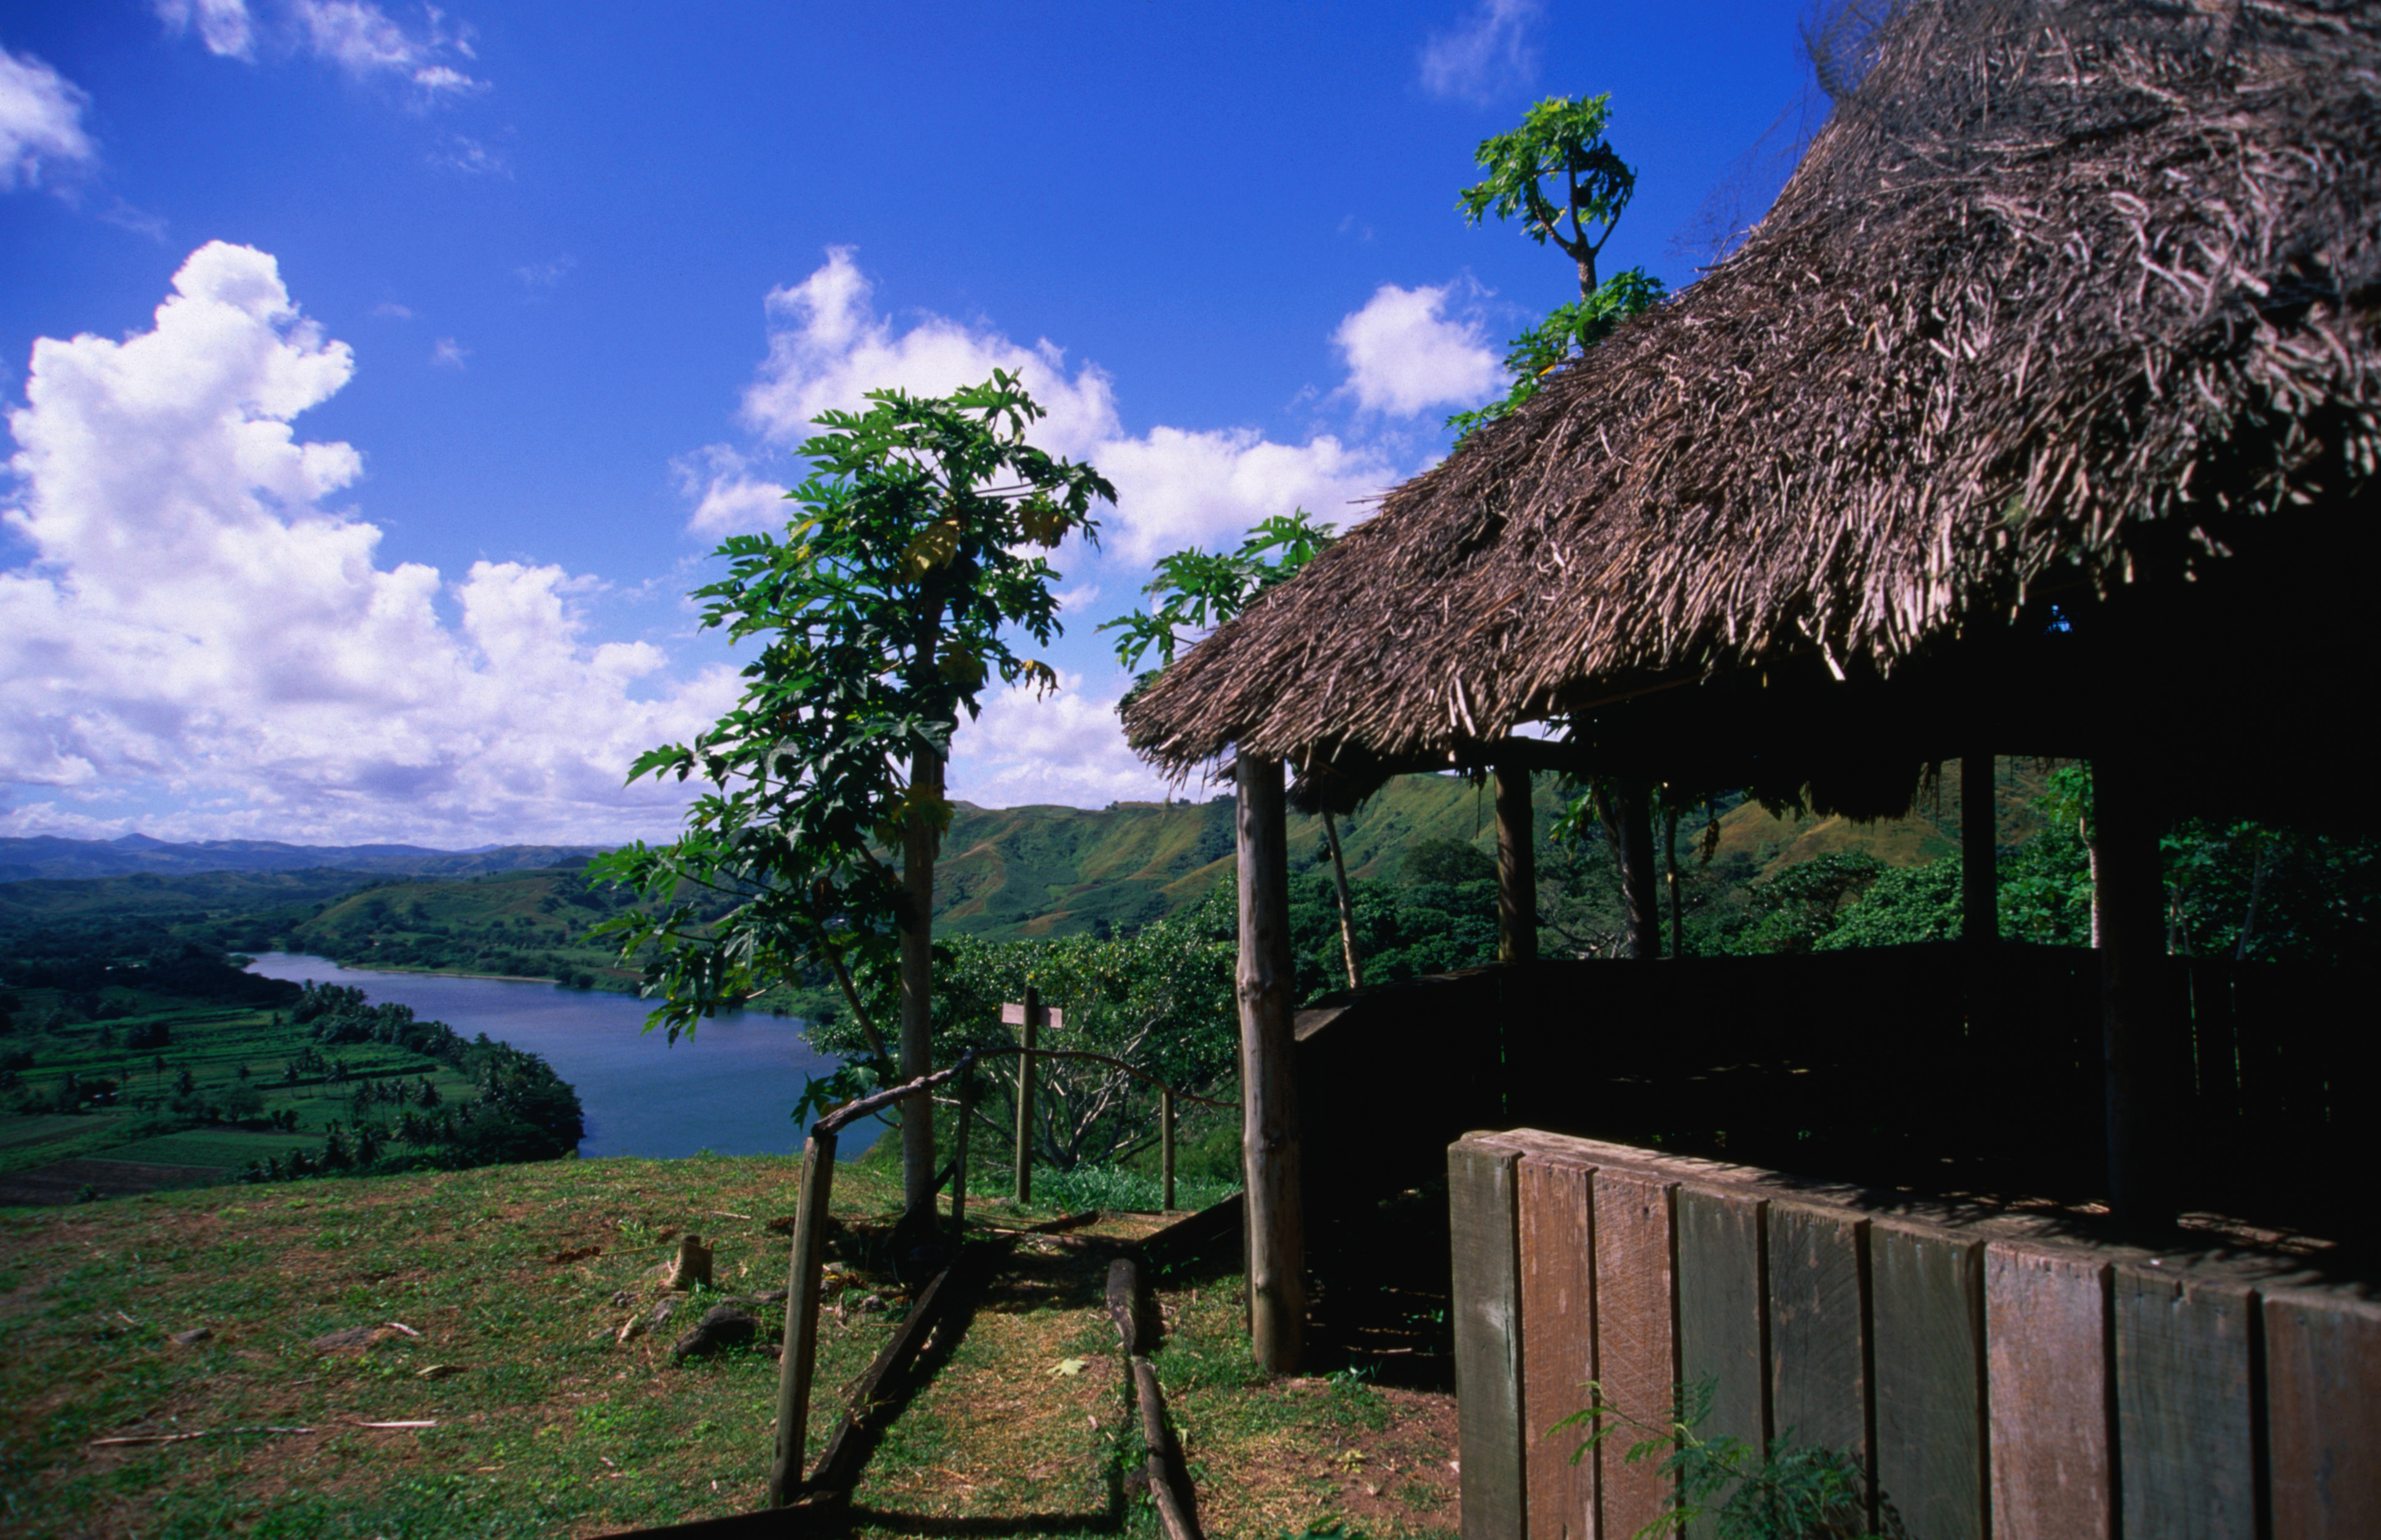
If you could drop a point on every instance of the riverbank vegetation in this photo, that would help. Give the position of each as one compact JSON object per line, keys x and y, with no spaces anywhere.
{"x":181,"y":1068}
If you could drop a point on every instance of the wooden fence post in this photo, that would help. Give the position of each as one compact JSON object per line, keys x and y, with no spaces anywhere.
{"x":1030,"y":1028}
{"x":1516,"y":867}
{"x":802,"y":1317}
{"x":960,"y":1159}
{"x":1267,"y":981}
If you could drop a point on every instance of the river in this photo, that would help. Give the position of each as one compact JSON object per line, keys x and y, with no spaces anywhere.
{"x":727,"y":1089}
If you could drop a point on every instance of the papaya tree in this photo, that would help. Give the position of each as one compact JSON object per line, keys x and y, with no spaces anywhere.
{"x":895,"y":595}
{"x":1561,"y":177}
{"x":1197,"y":590}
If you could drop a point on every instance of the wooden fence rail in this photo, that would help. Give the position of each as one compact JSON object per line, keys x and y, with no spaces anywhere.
{"x":808,"y":1262}
{"x":1992,"y":1374}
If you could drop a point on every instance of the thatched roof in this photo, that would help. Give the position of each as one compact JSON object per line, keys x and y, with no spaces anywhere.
{"x":2065,"y":298}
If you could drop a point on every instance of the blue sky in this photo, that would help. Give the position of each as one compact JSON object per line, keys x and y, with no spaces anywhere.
{"x":379,"y":376}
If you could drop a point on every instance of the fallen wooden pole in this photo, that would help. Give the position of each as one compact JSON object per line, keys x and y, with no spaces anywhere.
{"x":838,"y":1466}
{"x":1169,"y":1481}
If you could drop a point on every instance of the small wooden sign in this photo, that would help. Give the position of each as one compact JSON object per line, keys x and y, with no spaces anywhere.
{"x":1013,"y":1014}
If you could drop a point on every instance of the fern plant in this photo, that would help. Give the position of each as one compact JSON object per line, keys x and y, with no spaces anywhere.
{"x":1795,"y":1492}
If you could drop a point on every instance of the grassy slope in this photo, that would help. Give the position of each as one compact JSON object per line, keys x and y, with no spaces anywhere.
{"x":551,"y":1427}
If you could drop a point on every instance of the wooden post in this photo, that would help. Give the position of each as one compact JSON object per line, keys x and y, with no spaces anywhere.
{"x":1980,"y":893}
{"x":960,"y":1160}
{"x":1165,"y":1142}
{"x":1517,"y":868}
{"x":1671,"y":877}
{"x":1029,"y":1029}
{"x":1628,"y":822}
{"x":802,"y":1317}
{"x":919,"y":840}
{"x":1277,"y":1261}
{"x":2138,"y":1027}
{"x":1347,"y":901}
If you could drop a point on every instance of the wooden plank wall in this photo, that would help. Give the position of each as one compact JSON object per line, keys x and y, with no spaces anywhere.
{"x":1995,"y":1378}
{"x":1557,"y":1225}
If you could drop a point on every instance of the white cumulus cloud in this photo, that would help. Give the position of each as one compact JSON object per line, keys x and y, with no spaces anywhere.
{"x":828,"y":348}
{"x":728,"y":499}
{"x":40,"y":122}
{"x":1064,"y":749}
{"x":225,"y":26}
{"x":1404,"y":352}
{"x":1488,"y":52}
{"x":829,"y":345}
{"x":200,"y":629}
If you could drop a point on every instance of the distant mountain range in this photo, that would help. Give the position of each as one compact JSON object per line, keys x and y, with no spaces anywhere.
{"x":1004,"y":873}
{"x":25,"y":860}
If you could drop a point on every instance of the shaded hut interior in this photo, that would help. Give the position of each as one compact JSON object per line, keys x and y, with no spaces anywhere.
{"x":2037,"y":418}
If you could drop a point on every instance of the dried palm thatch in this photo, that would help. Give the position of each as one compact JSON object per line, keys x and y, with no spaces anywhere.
{"x":2065,"y":298}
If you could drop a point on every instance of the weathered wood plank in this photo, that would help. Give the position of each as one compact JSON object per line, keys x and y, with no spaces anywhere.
{"x":1723,"y":1318}
{"x":1818,"y":1316}
{"x":1558,"y":1346}
{"x":1481,"y":1199}
{"x":1636,"y":1339}
{"x":1928,"y":1331}
{"x":2046,"y":1349}
{"x":2323,"y":1415}
{"x":2183,"y":1432}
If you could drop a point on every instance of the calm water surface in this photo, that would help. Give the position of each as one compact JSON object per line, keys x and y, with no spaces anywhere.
{"x":727,"y":1088}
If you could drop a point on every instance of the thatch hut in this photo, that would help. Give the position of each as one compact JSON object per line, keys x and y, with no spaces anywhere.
{"x":2041,"y":415}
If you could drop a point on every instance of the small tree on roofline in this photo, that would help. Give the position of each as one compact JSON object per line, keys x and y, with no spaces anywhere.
{"x":887,"y":607}
{"x":1558,"y":166}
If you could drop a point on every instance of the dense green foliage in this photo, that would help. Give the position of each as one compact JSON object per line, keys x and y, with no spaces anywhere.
{"x":1197,"y":590}
{"x":1160,"y":1000}
{"x":186,"y":1059}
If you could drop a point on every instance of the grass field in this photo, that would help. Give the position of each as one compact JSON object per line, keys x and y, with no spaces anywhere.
{"x":545,"y":1425}
{"x":141,"y":1122}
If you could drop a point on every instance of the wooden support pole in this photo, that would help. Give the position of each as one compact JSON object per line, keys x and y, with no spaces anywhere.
{"x":1347,"y":901}
{"x":1630,"y":823}
{"x":1265,"y":985}
{"x":2140,"y":1040}
{"x":802,"y":1317}
{"x":1166,"y":1143}
{"x":1516,"y":867}
{"x":1980,"y":892}
{"x":1030,"y":1030}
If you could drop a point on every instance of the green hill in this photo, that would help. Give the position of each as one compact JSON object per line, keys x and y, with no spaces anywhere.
{"x":1005,"y":873}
